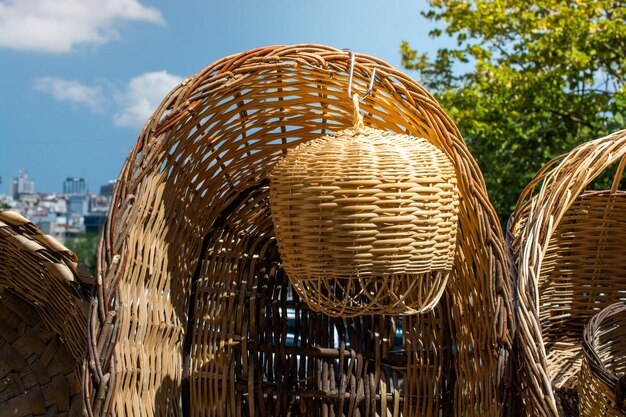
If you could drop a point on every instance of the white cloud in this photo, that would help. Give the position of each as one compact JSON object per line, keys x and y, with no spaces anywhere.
{"x":142,"y":96}
{"x":70,"y":91}
{"x":57,"y":26}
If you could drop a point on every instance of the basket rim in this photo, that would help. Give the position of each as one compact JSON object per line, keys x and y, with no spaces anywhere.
{"x":564,"y":170}
{"x":59,"y":252}
{"x":597,"y":366}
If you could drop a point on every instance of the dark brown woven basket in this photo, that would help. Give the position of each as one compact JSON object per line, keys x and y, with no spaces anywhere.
{"x":195,"y":312}
{"x":567,"y":243}
{"x":603,"y":375}
{"x":43,"y":322}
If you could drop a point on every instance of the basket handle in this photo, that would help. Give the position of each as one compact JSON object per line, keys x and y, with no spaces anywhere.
{"x":618,"y":175}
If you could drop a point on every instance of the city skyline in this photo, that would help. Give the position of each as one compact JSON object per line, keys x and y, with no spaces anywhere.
{"x":6,"y":185}
{"x":80,"y":97}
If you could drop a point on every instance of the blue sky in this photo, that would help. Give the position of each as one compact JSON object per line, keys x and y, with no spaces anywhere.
{"x":80,"y":77}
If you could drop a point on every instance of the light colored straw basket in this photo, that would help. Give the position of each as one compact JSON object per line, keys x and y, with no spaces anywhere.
{"x":43,"y":322}
{"x":567,"y":242}
{"x":602,"y":386}
{"x":366,"y":222}
{"x":196,"y":314}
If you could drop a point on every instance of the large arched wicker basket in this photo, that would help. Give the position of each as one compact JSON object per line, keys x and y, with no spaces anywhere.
{"x":566,"y":241}
{"x":43,"y":322}
{"x":195,"y":313}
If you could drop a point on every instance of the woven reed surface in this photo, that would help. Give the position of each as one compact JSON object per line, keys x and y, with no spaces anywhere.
{"x":195,"y":313}
{"x":567,"y":245}
{"x":43,"y":322}
{"x":602,"y":381}
{"x":366,"y":222}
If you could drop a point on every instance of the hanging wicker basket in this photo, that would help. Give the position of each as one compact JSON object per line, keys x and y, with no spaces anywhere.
{"x":566,"y":241}
{"x":602,"y":386}
{"x":366,"y":222}
{"x":196,"y":314}
{"x":43,"y":322}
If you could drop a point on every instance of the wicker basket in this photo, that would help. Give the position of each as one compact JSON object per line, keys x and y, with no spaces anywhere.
{"x":602,"y":378}
{"x":43,"y":322}
{"x":567,"y":243}
{"x":205,"y":320}
{"x":365,"y":221}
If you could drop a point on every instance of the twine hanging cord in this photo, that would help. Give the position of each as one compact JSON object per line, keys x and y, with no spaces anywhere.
{"x":357,"y":117}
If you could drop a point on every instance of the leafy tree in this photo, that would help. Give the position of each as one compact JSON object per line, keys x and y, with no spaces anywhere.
{"x":85,"y":246}
{"x":526,"y":81}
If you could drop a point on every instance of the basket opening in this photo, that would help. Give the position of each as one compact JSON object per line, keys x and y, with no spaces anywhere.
{"x":612,"y":174}
{"x":250,"y":324}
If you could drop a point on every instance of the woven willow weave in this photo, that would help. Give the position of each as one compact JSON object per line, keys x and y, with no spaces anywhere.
{"x":366,"y":222}
{"x":43,"y":322}
{"x":602,"y":383}
{"x":567,"y":244}
{"x":196,"y":315}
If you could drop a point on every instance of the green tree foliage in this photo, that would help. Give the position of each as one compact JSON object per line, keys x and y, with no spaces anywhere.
{"x":526,"y":81}
{"x":85,"y":246}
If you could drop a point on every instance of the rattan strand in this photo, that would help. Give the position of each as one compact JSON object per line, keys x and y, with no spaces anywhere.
{"x":602,"y":382}
{"x":43,"y":322}
{"x":567,"y":245}
{"x":203,"y":319}
{"x":366,"y":222}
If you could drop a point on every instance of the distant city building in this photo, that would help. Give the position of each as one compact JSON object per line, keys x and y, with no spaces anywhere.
{"x":61,"y":215}
{"x":21,"y":185}
{"x":29,"y":200}
{"x":107,"y":189}
{"x":78,"y":204}
{"x":94,"y":222}
{"x":74,"y":185}
{"x":7,"y":202}
{"x":45,"y":220}
{"x":54,"y":203}
{"x":99,"y":204}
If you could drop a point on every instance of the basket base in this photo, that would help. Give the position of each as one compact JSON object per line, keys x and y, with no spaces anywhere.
{"x":401,"y":294}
